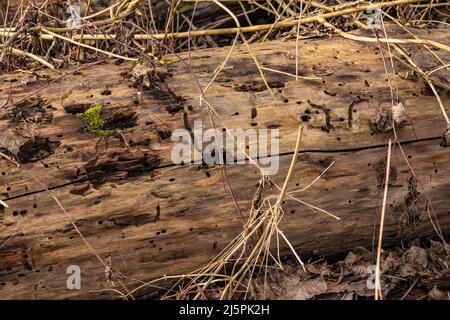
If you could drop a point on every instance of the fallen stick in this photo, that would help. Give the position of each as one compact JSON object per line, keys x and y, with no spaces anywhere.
{"x":109,"y":54}
{"x":197,"y":33}
{"x":383,"y":40}
{"x":42,"y":61}
{"x":378,"y":294}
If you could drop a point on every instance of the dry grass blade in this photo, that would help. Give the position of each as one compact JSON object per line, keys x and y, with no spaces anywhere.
{"x":384,"y":40}
{"x":32,"y":56}
{"x":250,"y":51}
{"x":243,"y":264}
{"x":296,"y":80}
{"x":109,"y":54}
{"x":378,"y":293}
{"x":3,"y":203}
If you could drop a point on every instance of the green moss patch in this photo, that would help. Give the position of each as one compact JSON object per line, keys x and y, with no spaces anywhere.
{"x":95,"y":123}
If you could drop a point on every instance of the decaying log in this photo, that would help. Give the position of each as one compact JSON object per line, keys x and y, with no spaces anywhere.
{"x":150,"y":217}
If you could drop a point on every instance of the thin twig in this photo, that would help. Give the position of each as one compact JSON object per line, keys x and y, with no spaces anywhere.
{"x":378,"y":293}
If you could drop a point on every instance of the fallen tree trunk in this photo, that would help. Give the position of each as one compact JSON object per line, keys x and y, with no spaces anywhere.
{"x":150,"y":217}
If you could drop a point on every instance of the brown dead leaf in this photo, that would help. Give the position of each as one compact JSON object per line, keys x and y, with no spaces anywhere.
{"x":10,"y":140}
{"x":439,"y":248}
{"x":360,"y":288}
{"x":321,"y":269}
{"x":436,"y":294}
{"x":413,"y":262}
{"x":390,"y":262}
{"x":382,"y":122}
{"x":145,"y":76}
{"x":357,"y":261}
{"x":304,"y":290}
{"x":399,"y":114}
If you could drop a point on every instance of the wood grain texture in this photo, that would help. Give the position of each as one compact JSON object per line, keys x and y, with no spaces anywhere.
{"x":178,"y":218}
{"x":150,"y":217}
{"x":353,"y":87}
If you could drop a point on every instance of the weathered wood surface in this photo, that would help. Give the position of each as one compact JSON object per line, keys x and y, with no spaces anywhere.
{"x":154,"y":225}
{"x":151,"y":217}
{"x":336,"y":112}
{"x":353,"y":87}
